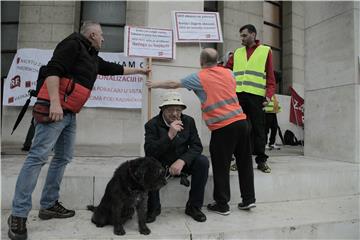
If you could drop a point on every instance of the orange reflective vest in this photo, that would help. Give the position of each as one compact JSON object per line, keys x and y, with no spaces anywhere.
{"x":221,"y":106}
{"x":73,"y":96}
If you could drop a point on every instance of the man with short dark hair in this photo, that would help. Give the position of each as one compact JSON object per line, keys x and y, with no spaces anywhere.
{"x":215,"y":87}
{"x":75,"y":64}
{"x":172,"y":138}
{"x":255,"y":85}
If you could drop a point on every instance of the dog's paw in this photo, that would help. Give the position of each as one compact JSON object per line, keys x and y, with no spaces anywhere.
{"x":100,"y":225}
{"x":145,"y":230}
{"x":119,"y":230}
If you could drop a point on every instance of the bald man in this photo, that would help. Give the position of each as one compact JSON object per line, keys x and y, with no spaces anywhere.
{"x":74,"y":58}
{"x":215,"y":87}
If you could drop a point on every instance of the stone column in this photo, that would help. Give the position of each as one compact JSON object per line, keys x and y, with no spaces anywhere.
{"x":293,"y":47}
{"x":235,"y":14}
{"x":332,"y":86}
{"x":42,"y":24}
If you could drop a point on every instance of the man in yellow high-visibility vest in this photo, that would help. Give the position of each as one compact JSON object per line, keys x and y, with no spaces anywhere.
{"x":255,"y":85}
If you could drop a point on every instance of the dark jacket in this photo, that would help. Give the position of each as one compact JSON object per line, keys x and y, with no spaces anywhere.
{"x":74,"y":57}
{"x":186,"y":145}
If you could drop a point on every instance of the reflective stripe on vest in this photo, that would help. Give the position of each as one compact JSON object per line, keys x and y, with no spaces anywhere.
{"x":250,"y":74}
{"x":221,"y":106}
{"x":223,"y":117}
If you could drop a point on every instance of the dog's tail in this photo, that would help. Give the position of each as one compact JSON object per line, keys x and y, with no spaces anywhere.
{"x":91,"y":208}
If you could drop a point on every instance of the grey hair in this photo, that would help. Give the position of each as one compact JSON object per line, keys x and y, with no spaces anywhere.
{"x":208,"y":57}
{"x":86,"y":27}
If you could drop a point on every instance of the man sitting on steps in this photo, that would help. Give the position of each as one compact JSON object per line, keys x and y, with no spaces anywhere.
{"x":172,"y":138}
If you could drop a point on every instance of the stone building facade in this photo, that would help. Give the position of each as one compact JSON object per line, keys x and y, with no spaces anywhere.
{"x":317,"y":47}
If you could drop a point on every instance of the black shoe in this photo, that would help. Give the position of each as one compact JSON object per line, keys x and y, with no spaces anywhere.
{"x":56,"y":211}
{"x":264,"y":167}
{"x":195,"y":213}
{"x":17,"y":228}
{"x":152,"y":214}
{"x":246,"y":206}
{"x":220,"y":209}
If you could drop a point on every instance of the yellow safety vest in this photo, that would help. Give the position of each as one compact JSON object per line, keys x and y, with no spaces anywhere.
{"x":273,"y":106}
{"x":250,"y":74}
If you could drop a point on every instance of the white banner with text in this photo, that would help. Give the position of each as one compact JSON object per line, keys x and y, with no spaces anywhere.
{"x":122,"y":91}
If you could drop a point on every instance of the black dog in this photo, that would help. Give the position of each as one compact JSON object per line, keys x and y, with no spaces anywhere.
{"x":128,"y":189}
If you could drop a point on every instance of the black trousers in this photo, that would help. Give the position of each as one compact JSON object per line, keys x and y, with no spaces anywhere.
{"x":224,"y":142}
{"x":252,"y":106}
{"x":272,"y":126}
{"x":198,"y":170}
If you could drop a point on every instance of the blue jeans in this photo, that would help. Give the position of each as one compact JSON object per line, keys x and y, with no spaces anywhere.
{"x":59,"y":136}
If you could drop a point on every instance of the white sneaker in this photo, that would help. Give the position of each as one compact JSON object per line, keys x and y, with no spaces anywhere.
{"x":267,"y":147}
{"x":274,"y":146}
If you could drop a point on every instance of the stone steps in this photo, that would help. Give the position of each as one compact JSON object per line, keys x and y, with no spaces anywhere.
{"x":335,"y":218}
{"x":292,"y":178}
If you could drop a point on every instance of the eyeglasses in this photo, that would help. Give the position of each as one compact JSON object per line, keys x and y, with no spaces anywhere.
{"x":173,"y":109}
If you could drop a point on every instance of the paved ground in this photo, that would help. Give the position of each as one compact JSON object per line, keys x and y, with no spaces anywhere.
{"x":317,"y":219}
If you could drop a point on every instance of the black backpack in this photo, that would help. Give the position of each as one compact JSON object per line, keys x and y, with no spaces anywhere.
{"x":290,"y":139}
{"x":32,"y":93}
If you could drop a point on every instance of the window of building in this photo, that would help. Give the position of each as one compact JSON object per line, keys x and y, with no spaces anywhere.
{"x":9,"y":34}
{"x":112,"y":18}
{"x":272,"y":29}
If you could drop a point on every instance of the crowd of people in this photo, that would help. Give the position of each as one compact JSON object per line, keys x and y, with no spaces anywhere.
{"x":233,"y":97}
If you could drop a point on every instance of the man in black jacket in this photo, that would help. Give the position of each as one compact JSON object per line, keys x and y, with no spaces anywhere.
{"x":75,"y":57}
{"x":172,"y":138}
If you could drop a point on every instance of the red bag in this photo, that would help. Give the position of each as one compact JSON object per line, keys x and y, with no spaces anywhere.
{"x":41,"y":112}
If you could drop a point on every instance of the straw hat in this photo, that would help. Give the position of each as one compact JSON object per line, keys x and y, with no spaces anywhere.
{"x":172,"y":98}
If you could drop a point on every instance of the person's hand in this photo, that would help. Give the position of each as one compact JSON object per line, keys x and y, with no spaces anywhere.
{"x":176,"y":167}
{"x":149,"y":83}
{"x":175,"y":127}
{"x":145,"y":71}
{"x":266,"y":102}
{"x":56,"y":112}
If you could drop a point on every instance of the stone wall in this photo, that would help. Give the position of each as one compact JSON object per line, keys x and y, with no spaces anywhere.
{"x":332,"y":80}
{"x":293,"y":47}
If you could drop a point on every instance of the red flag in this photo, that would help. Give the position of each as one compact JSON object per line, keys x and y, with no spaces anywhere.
{"x":296,"y":108}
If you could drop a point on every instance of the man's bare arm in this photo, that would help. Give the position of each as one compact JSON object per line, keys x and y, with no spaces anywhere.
{"x":169,"y":84}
